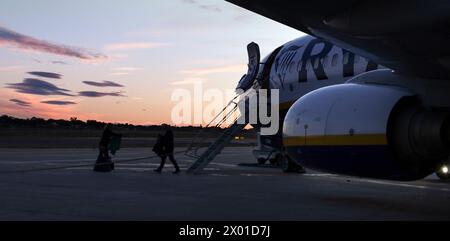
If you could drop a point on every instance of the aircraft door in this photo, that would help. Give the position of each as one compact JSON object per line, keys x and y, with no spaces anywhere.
{"x":254,"y":57}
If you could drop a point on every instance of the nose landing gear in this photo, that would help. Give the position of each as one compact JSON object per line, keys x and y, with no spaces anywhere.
{"x":288,"y":165}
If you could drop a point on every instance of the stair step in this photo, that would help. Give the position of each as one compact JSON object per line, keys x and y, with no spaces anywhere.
{"x":215,"y":148}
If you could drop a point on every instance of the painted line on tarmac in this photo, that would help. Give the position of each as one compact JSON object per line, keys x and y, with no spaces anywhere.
{"x":319,"y":175}
{"x":217,"y":175}
{"x":58,"y":161}
{"x":255,"y":175}
{"x":215,"y":163}
{"x":49,"y":162}
{"x":224,"y":164}
{"x":382,"y":182}
{"x":408,"y":185}
{"x":135,"y":169}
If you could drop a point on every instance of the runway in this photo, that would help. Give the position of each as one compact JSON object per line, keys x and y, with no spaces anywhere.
{"x":224,"y":191}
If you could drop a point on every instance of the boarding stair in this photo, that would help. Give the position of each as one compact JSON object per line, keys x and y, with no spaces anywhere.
{"x":229,"y":112}
{"x":248,"y":84}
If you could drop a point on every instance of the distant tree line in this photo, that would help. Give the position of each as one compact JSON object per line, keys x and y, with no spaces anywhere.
{"x":7,"y":122}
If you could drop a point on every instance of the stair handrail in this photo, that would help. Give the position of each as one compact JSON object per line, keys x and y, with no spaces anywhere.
{"x":194,"y":146}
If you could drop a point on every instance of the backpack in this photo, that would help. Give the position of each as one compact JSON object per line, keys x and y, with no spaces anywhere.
{"x":158,"y":148}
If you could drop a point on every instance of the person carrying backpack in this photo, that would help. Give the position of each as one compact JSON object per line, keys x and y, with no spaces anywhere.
{"x":104,"y":162}
{"x":168,"y":149}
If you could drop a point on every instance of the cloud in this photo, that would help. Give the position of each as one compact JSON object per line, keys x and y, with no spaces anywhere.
{"x":209,"y":7}
{"x":134,"y":46}
{"x":58,"y":102}
{"x":104,"y":83}
{"x":119,"y":74}
{"x":46,"y":74}
{"x":59,"y":62}
{"x":40,"y":109}
{"x":17,"y":40}
{"x":123,"y":71}
{"x":21,"y":102}
{"x":214,"y":8}
{"x":10,"y":68}
{"x":126,"y":69}
{"x":188,"y":81}
{"x":200,"y":75}
{"x":38,"y":87}
{"x":95,"y":94}
{"x":146,"y":33}
{"x":215,"y":70}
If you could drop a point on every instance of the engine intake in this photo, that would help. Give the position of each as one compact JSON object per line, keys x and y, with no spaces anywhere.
{"x":367,"y":130}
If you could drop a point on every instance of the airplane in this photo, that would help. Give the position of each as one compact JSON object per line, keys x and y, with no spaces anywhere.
{"x":365,"y":93}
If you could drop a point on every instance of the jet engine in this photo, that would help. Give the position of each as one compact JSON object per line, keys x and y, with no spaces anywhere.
{"x":368,"y":130}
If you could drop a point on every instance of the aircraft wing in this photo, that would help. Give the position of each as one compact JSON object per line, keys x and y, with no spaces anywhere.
{"x":409,"y":36}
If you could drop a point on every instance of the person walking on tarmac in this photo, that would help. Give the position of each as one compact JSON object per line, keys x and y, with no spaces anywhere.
{"x":158,"y":148}
{"x":168,"y":144}
{"x":104,"y":163}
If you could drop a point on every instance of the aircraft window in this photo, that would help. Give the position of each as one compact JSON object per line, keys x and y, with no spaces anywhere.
{"x":334,"y":60}
{"x":316,"y":63}
{"x":325,"y":61}
{"x":346,"y":58}
{"x":356,"y":59}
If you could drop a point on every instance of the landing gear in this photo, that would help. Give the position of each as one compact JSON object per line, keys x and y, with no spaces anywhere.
{"x":288,"y":165}
{"x":443,"y":172}
{"x":277,"y":158}
{"x":262,"y":161}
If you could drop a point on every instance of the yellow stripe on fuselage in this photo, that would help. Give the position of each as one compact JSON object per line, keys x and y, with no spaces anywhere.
{"x":337,"y":140}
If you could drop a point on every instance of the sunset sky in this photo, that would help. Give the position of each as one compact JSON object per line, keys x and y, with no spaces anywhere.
{"x":119,"y":61}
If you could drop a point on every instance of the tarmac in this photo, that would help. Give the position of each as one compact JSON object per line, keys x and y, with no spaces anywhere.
{"x":59,"y":184}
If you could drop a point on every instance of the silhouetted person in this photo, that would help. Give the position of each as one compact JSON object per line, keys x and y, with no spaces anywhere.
{"x":168,"y":141}
{"x":104,"y":163}
{"x":158,"y":148}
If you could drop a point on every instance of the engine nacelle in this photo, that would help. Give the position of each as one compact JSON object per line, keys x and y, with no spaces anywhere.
{"x":367,"y":130}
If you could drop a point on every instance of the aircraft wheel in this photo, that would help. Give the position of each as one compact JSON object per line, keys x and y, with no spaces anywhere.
{"x":262,"y":161}
{"x":287,"y":165}
{"x":274,"y":162}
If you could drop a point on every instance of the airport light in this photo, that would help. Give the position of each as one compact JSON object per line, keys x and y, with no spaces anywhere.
{"x":444,"y":169}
